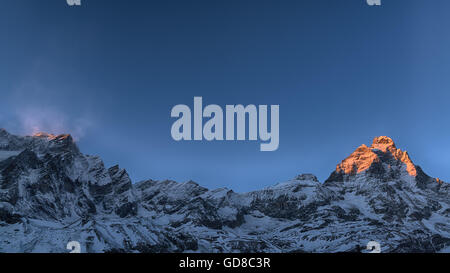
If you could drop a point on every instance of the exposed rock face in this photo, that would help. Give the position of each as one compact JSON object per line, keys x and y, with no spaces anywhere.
{"x":381,"y":159}
{"x":306,"y":177}
{"x":51,"y":194}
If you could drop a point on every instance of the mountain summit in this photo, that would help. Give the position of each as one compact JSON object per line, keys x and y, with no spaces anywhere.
{"x":383,"y":143}
{"x":51,"y":194}
{"x":382,"y":161}
{"x":53,"y":137}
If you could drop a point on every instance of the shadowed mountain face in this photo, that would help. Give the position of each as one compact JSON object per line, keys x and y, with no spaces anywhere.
{"x":51,"y":193}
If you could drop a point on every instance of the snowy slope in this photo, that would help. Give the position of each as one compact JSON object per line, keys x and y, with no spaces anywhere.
{"x":51,"y":193}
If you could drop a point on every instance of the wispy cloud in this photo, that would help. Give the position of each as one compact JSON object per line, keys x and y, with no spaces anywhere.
{"x":35,"y":119}
{"x":34,"y":106}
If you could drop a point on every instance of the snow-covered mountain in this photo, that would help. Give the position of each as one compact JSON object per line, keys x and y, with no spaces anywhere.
{"x":51,"y":193}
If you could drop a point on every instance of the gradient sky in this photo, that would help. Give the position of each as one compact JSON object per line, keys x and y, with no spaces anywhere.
{"x":109,"y":72}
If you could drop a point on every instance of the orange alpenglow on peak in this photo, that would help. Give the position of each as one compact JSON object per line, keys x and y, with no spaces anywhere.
{"x":383,"y":143}
{"x":51,"y":136}
{"x":363,"y":157}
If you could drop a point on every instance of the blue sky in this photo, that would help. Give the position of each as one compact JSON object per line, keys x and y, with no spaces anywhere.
{"x":109,"y":72}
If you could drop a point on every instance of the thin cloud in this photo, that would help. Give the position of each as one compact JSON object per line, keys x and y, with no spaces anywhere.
{"x":33,"y":120}
{"x":35,"y":107}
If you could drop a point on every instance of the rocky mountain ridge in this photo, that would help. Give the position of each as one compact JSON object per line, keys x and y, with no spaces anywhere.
{"x":51,"y":193}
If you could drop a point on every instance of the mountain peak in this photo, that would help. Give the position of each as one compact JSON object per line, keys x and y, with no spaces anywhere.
{"x":383,"y":143}
{"x":52,"y":136}
{"x":3,"y":132}
{"x":54,"y":142}
{"x":382,"y":152}
{"x":306,"y":177}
